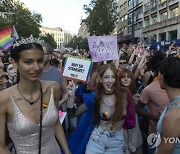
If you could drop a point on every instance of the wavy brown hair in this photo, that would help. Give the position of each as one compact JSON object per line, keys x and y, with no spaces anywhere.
{"x":132,"y":86}
{"x":100,"y":91}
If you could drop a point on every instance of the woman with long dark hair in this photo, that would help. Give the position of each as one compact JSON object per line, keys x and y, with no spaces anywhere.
{"x":29,"y":108}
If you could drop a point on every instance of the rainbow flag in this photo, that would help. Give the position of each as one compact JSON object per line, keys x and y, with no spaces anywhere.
{"x":6,"y":39}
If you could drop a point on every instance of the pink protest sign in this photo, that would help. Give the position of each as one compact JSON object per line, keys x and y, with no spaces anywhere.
{"x":103,"y":48}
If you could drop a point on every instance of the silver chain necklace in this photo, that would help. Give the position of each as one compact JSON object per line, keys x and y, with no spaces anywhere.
{"x":30,"y":102}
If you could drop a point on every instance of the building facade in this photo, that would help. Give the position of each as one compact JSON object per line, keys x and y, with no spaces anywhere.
{"x":162,"y":20}
{"x":150,"y":20}
{"x":61,"y":36}
{"x":130,"y":14}
{"x":122,"y":25}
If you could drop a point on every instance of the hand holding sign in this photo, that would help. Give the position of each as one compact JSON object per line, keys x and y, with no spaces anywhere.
{"x":71,"y":87}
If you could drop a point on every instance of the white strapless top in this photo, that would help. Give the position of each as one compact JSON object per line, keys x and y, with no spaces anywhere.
{"x":25,"y":133}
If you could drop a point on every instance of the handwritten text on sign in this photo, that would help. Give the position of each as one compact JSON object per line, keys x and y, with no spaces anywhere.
{"x":103,"y":47}
{"x":77,"y":68}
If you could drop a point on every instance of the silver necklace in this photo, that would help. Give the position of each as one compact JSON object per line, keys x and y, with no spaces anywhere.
{"x":30,"y":102}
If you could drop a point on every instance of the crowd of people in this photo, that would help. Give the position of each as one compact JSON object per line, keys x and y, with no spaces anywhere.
{"x":114,"y":112}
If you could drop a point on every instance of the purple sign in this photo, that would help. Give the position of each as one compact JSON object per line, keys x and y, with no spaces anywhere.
{"x":103,"y":48}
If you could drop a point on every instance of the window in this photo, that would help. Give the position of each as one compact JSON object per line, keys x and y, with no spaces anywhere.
{"x":138,"y":25}
{"x":172,"y":35}
{"x":121,"y":7}
{"x":129,"y":18}
{"x":154,"y":19}
{"x":154,"y":38}
{"x":163,"y":16}
{"x":146,"y":22}
{"x":174,"y":12}
{"x":162,"y":37}
{"x":122,"y":18}
{"x":161,"y":1}
{"x":129,"y":29}
{"x":125,"y":17}
{"x":153,"y":3}
{"x":146,"y":6}
{"x":130,"y":2}
{"x":125,"y":4}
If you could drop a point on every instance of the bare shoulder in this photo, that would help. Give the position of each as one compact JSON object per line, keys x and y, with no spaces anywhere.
{"x":173,"y":115}
{"x":5,"y":96}
{"x":171,"y":121}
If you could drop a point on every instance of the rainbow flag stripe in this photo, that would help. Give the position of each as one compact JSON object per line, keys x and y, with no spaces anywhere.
{"x":6,"y":40}
{"x":45,"y":105}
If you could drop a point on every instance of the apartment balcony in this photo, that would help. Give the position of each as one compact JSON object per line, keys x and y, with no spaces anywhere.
{"x":140,"y":16}
{"x":162,"y":24}
{"x":137,"y":4}
{"x":122,"y":24}
{"x":163,"y":5}
{"x":137,"y":17}
{"x":172,"y":2}
{"x":153,"y":9}
{"x":146,"y":13}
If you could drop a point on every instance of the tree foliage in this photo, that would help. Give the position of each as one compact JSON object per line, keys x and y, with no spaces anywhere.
{"x":78,"y":42}
{"x":49,"y":40}
{"x":17,"y":14}
{"x":101,"y":16}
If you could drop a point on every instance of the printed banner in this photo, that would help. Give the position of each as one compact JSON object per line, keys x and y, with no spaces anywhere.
{"x":78,"y":69}
{"x":103,"y":48}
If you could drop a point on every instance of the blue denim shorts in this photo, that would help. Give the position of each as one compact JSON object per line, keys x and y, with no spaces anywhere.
{"x":105,"y":142}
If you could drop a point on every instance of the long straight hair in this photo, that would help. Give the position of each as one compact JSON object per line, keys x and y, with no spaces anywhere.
{"x":117,"y":92}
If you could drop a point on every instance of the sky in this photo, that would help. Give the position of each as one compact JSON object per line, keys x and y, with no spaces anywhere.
{"x":66,"y":14}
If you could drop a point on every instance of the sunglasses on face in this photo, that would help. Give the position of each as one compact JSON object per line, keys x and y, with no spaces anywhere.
{"x":122,"y":63}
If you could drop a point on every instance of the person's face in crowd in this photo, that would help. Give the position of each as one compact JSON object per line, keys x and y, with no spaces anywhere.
{"x":2,"y":80}
{"x":122,"y":64}
{"x":108,"y":80}
{"x":126,"y":80}
{"x":47,"y":56}
{"x":1,"y":63}
{"x":30,"y":64}
{"x":11,"y":71}
{"x":2,"y":76}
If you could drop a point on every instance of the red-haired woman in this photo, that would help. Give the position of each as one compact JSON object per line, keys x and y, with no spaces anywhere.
{"x":127,"y":80}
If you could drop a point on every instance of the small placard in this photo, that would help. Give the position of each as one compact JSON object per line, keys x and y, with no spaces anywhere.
{"x":76,"y":68}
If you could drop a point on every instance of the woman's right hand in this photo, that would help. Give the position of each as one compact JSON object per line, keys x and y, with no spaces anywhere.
{"x":71,"y":87}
